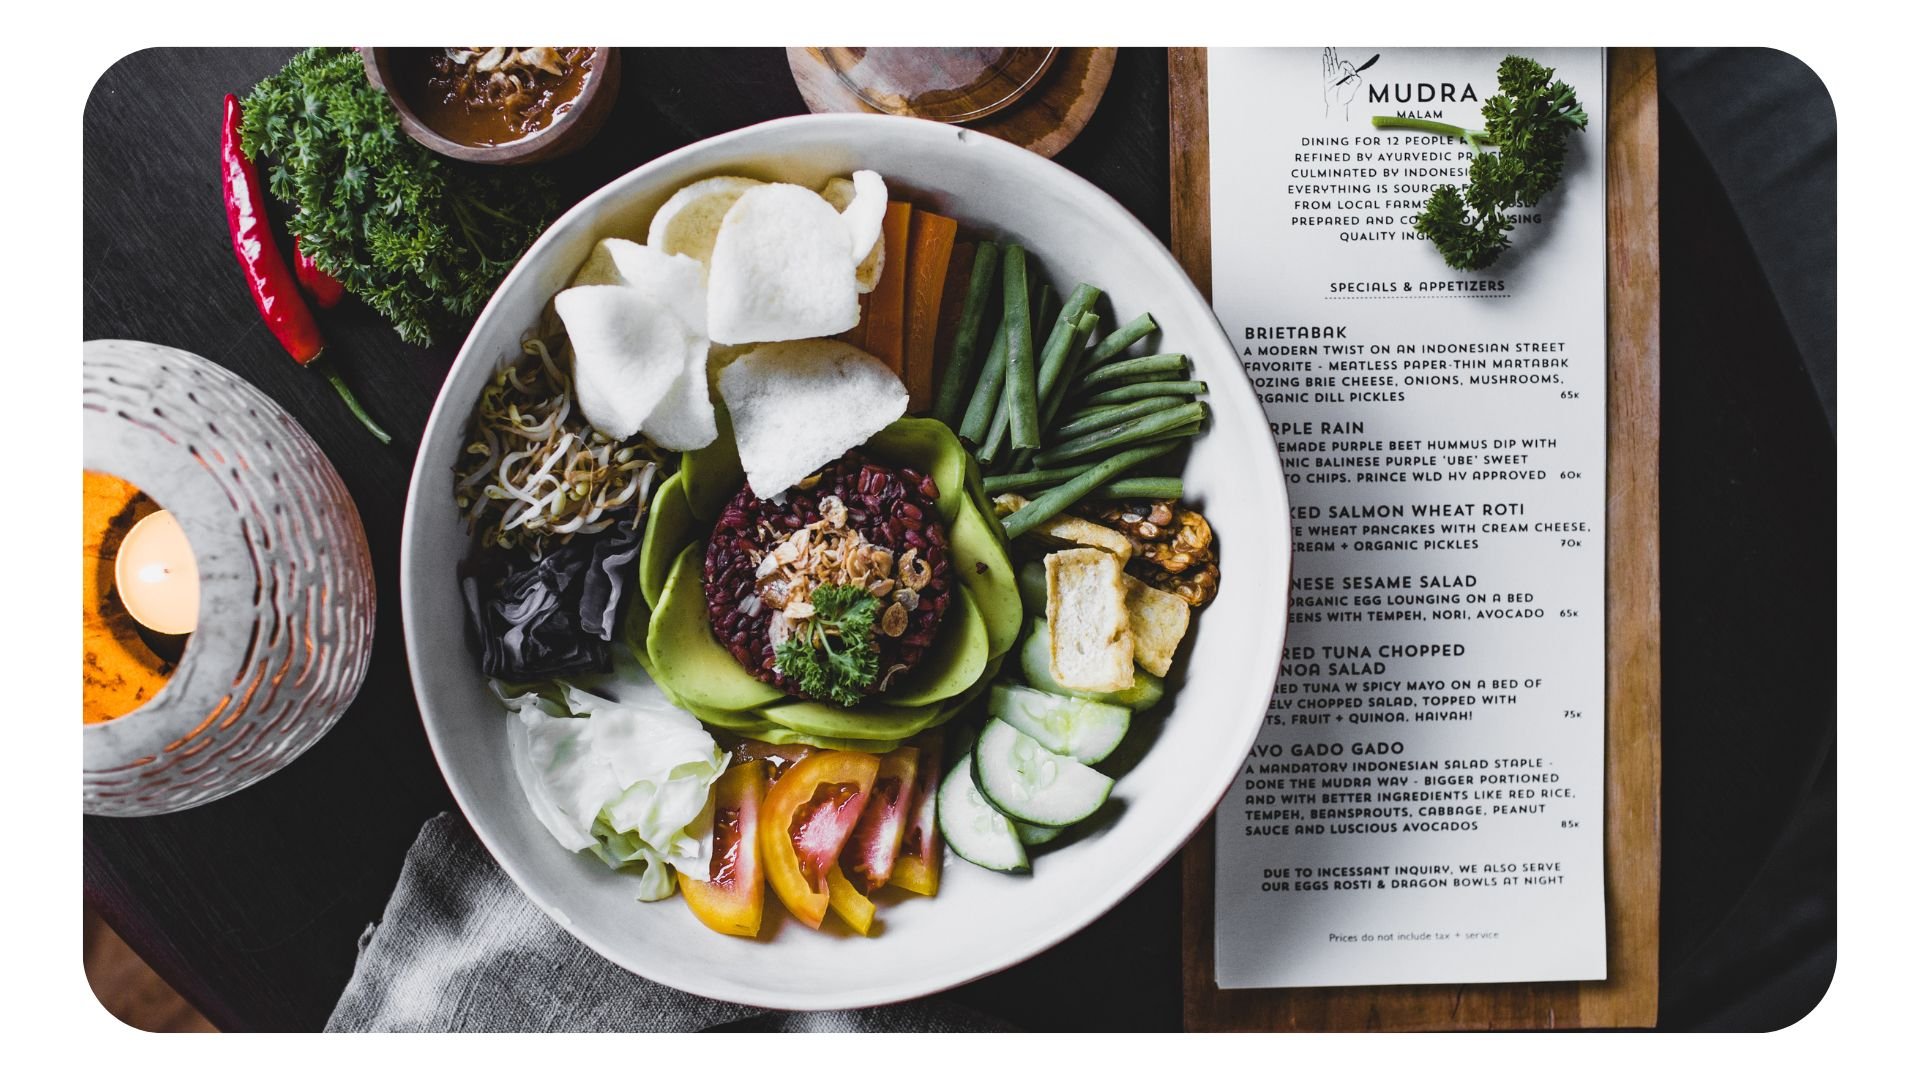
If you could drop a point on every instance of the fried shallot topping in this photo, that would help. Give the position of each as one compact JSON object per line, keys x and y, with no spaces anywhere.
{"x":830,"y":552}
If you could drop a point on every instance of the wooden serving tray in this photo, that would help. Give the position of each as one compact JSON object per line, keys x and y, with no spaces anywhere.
{"x":1629,"y":996}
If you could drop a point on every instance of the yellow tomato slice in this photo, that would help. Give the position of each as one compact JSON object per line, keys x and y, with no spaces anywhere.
{"x":808,"y":815}
{"x":847,"y":902}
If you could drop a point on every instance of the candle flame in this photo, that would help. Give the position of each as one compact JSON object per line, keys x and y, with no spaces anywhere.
{"x":156,"y":576}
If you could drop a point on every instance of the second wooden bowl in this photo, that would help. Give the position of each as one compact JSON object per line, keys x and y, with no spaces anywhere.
{"x":565,"y":135}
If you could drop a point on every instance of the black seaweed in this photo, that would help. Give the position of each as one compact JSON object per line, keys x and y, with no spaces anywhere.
{"x":542,"y":618}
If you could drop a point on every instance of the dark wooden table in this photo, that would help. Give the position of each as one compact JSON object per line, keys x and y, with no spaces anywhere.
{"x":251,"y":906}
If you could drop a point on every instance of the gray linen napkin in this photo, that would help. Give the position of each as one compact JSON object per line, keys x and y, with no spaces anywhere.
{"x":460,"y":948}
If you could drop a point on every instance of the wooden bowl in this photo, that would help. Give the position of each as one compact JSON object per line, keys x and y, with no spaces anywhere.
{"x":563,"y":136}
{"x":1044,"y":119}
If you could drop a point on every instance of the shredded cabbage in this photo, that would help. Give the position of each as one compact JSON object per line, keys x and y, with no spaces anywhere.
{"x":612,"y":767}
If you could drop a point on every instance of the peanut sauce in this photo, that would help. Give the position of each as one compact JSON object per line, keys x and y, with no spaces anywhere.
{"x":489,"y":95}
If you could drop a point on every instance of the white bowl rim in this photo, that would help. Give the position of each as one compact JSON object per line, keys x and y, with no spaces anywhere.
{"x":1239,"y":398}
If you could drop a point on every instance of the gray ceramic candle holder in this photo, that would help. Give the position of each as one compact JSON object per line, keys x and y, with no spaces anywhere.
{"x":286,"y":585}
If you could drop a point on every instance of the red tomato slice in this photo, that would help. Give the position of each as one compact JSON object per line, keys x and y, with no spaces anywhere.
{"x":733,"y":897}
{"x":808,"y":815}
{"x":918,"y":867}
{"x":870,"y":853}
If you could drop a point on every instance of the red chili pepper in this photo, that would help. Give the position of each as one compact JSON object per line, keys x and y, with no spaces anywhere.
{"x":325,"y":290}
{"x":272,"y":285}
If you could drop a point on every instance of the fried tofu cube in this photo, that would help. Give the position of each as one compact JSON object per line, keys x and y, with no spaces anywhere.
{"x":1159,"y":621}
{"x":1087,"y":618}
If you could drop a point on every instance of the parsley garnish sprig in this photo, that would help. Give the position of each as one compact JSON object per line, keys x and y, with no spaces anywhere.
{"x":421,"y":239}
{"x":1528,"y":122}
{"x":833,"y":655}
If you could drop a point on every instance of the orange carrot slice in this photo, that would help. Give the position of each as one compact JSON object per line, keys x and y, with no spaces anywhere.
{"x":930,"y":253}
{"x":886,"y":318}
{"x":857,"y":337}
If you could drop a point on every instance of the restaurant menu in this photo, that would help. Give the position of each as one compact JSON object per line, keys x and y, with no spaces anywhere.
{"x":1424,"y":803}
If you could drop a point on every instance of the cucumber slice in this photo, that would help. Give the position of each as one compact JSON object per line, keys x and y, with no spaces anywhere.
{"x":975,"y":830}
{"x":1032,"y":835}
{"x":1027,"y":781}
{"x":1036,"y":661}
{"x":1086,"y":731}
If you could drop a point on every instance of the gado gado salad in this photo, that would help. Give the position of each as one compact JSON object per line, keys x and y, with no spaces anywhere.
{"x":815,"y":534}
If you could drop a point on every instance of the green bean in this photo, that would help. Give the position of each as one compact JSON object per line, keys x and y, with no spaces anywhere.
{"x":1051,"y":397}
{"x":1122,"y":434}
{"x":1124,"y":370}
{"x":1136,"y":391}
{"x":996,"y":438}
{"x":986,"y":392}
{"x":1120,"y":341}
{"x":1184,"y":431}
{"x":963,"y":362}
{"x":1054,"y":500}
{"x":1059,"y":350}
{"x":1026,"y":481}
{"x":1083,"y":392}
{"x":1088,"y":412}
{"x":1108,"y":415}
{"x":1051,"y":402}
{"x":1022,"y":393}
{"x":1141,"y":487}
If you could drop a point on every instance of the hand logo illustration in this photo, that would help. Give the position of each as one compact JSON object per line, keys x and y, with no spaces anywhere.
{"x":1340,"y":80}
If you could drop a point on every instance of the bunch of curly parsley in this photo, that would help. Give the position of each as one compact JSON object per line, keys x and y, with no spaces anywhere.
{"x":421,"y":239}
{"x":834,"y":658}
{"x":1528,"y":121}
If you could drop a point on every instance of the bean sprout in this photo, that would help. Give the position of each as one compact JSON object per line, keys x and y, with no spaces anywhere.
{"x":534,"y":469}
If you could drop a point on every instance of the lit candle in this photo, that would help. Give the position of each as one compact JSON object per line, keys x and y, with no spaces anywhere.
{"x":156,"y":576}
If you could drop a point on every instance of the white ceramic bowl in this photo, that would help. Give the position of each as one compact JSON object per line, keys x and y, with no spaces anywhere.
{"x":981,"y":921}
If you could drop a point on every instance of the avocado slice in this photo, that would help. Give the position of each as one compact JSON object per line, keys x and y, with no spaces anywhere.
{"x":712,"y":474}
{"x":633,"y":633}
{"x":980,"y":565}
{"x":744,"y":722}
{"x":973,"y":532}
{"x":952,"y":663}
{"x":1032,"y":577}
{"x":768,"y":732}
{"x":870,"y":720}
{"x":927,"y":445}
{"x":670,"y":527}
{"x":954,"y":706}
{"x":689,"y":663}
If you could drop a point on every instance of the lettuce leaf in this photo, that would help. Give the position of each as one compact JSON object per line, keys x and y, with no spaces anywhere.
{"x":612,"y":767}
